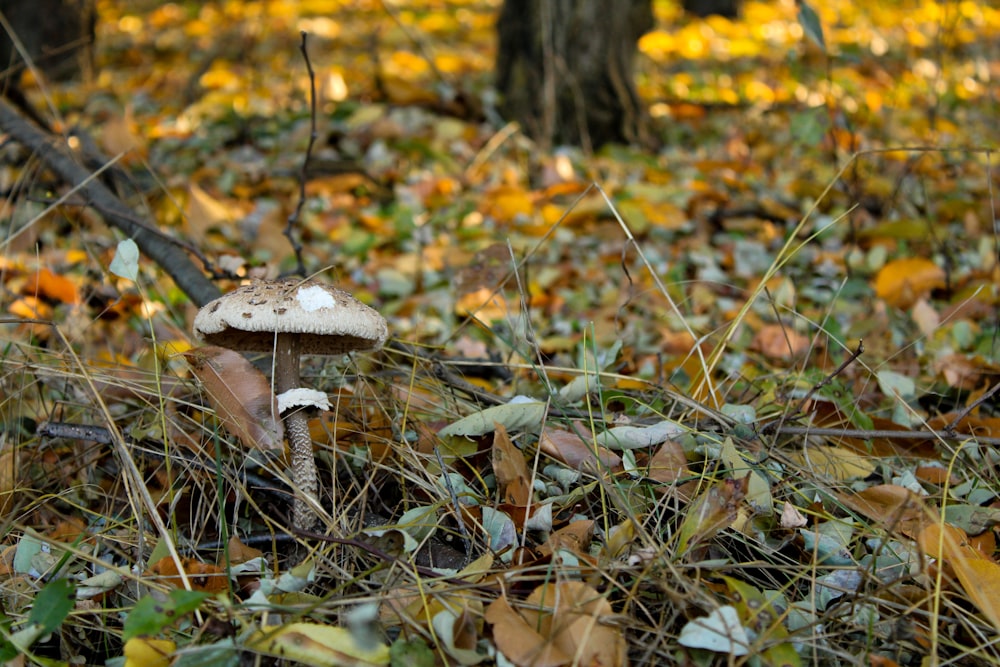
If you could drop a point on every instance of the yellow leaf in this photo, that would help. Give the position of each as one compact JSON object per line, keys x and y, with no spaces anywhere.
{"x":835,"y":462}
{"x":507,"y":202}
{"x":979,"y":576}
{"x":203,"y":213}
{"x":903,"y":281}
{"x":318,"y":645}
{"x":143,"y":652}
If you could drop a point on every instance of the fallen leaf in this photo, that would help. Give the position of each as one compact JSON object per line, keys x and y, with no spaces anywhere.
{"x":903,"y":281}
{"x":780,"y":343}
{"x":203,"y":577}
{"x":513,"y":476}
{"x":720,"y":632}
{"x":979,"y":576}
{"x":559,"y":624}
{"x":577,"y":453}
{"x":240,"y":394}
{"x":145,"y":652}
{"x":319,"y":645}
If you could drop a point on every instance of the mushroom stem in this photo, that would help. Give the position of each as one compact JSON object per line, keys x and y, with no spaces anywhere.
{"x":304,"y":477}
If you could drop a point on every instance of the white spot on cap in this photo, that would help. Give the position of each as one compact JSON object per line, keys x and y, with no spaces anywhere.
{"x":314,"y":297}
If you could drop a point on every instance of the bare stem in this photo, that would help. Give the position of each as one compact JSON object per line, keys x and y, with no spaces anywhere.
{"x":305,"y":479}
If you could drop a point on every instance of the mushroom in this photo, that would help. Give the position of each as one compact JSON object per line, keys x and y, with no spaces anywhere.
{"x":292,"y":317}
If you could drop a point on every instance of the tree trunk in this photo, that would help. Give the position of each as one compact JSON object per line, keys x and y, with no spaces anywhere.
{"x":564,"y":69}
{"x":58,"y":35}
{"x":727,"y":8}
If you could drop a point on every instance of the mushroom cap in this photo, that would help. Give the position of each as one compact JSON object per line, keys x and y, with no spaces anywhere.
{"x":328,"y":320}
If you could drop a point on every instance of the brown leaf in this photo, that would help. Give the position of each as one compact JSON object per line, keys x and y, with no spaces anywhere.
{"x":669,"y":463}
{"x":240,"y":395}
{"x":574,"y":537}
{"x":711,"y":512}
{"x":521,"y":643}
{"x":891,"y":506}
{"x":559,"y":624}
{"x":571,"y":612}
{"x":513,"y":476}
{"x":576,"y":452}
{"x":780,"y":343}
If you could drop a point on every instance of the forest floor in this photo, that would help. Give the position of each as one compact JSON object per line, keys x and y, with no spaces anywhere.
{"x":725,"y":401}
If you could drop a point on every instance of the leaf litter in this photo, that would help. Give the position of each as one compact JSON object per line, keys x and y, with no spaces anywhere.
{"x":614,"y":425}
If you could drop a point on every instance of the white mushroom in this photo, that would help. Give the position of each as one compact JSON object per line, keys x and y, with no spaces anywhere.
{"x":292,"y":317}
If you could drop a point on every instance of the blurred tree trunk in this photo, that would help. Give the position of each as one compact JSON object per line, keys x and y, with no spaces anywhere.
{"x":728,"y":8}
{"x":58,"y":35}
{"x":564,"y":69}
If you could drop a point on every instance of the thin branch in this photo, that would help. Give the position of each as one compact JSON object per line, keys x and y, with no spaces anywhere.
{"x":866,"y":434}
{"x":950,"y":428}
{"x":153,"y":243}
{"x":293,"y":219}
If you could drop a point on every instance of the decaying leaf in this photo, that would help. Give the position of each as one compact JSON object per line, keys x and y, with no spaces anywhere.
{"x":712,"y":511}
{"x":559,"y":624}
{"x":577,"y":453}
{"x":513,"y":476}
{"x":318,"y":645}
{"x":240,"y":394}
{"x":978,"y":575}
{"x":203,"y":577}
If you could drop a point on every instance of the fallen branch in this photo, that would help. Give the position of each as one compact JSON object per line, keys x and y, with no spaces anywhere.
{"x":155,"y":245}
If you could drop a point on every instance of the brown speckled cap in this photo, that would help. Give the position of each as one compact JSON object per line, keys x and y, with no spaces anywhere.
{"x":328,"y":320}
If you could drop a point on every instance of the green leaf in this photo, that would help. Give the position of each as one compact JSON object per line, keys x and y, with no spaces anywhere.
{"x":809,"y":20}
{"x":515,"y":416}
{"x":411,"y":653}
{"x":126,"y":261}
{"x":223,"y":653}
{"x":150,"y":616}
{"x":53,"y":604}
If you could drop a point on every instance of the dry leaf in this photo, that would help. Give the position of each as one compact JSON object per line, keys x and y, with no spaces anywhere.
{"x":791,"y":517}
{"x":669,"y":463}
{"x":520,"y":642}
{"x":836,"y":462}
{"x":780,"y":343}
{"x":576,"y":452}
{"x":711,"y":512}
{"x":316,"y":644}
{"x":560,"y":624}
{"x":203,"y":213}
{"x":574,"y":537}
{"x":146,"y":652}
{"x":513,"y":476}
{"x":53,"y":287}
{"x":979,"y":576}
{"x":891,"y":506}
{"x":202,"y":576}
{"x":240,"y":395}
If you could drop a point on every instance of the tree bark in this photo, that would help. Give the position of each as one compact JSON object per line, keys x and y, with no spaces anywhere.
{"x":564,"y":69}
{"x":58,"y":35}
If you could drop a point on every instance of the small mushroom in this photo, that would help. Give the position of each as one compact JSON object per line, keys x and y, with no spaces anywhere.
{"x":292,"y":317}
